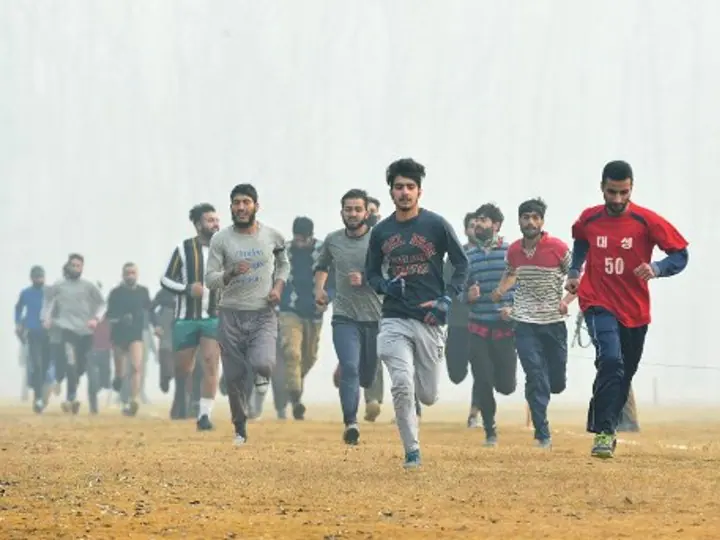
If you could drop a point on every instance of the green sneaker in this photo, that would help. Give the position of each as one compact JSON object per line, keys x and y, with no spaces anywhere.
{"x":604,"y":446}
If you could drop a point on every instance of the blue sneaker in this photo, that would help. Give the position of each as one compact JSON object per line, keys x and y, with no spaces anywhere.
{"x":412,"y":459}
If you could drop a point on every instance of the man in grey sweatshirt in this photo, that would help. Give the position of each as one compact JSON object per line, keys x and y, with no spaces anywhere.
{"x":73,"y":306}
{"x":248,"y":263}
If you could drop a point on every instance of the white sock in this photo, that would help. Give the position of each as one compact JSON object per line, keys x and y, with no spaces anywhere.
{"x":206,"y":405}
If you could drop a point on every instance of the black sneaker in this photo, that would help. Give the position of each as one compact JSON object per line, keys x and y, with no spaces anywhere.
{"x":351,"y":435}
{"x":299,"y":411}
{"x":204,"y":423}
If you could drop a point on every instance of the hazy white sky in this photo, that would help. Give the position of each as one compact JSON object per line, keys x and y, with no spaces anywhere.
{"x":117,"y":116}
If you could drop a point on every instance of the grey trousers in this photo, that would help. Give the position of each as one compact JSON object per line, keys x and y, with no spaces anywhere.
{"x":412,"y":352}
{"x":247,"y":342}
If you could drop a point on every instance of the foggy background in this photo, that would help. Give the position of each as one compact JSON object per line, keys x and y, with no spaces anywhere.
{"x":117,"y":116}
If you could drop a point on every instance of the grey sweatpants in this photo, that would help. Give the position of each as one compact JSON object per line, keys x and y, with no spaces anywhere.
{"x":247,"y":342}
{"x":412,"y":352}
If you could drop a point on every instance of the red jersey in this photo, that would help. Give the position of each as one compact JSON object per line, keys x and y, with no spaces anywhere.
{"x":618,"y":245}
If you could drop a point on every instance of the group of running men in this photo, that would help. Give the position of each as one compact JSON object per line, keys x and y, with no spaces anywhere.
{"x":241,"y":298}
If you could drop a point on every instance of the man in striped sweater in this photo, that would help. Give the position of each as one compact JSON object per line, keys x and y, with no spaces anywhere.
{"x":538,"y":263}
{"x":196,"y":323}
{"x":493,"y":360}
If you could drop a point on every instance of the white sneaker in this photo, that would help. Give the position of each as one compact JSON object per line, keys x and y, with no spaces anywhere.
{"x":239,"y":440}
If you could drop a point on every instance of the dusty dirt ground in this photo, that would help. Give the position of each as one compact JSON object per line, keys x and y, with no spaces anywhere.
{"x":112,"y":477}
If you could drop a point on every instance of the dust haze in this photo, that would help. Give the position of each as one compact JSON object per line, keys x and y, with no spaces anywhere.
{"x":117,"y":116}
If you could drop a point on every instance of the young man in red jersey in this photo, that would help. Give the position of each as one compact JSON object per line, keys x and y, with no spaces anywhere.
{"x":617,"y":240}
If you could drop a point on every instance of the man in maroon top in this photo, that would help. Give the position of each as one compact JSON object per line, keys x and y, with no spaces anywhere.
{"x":617,"y":239}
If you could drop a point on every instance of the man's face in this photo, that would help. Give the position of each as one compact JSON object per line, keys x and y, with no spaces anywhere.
{"x":531,"y":224}
{"x":617,"y":194}
{"x":130,"y":275}
{"x":74,"y":268}
{"x":38,"y":281}
{"x":208,"y":225}
{"x":354,"y":213}
{"x":243,"y":210}
{"x":484,"y":228}
{"x":405,"y":193}
{"x":373,"y":210}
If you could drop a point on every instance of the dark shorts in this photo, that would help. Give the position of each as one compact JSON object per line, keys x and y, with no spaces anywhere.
{"x":123,"y":336}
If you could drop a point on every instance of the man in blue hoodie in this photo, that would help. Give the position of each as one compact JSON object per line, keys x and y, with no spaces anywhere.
{"x":29,"y":328}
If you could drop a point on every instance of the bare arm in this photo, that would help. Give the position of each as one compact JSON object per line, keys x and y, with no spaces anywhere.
{"x":507,"y":282}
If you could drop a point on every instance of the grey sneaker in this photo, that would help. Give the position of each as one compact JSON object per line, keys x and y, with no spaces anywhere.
{"x":239,"y":440}
{"x":545,"y":444}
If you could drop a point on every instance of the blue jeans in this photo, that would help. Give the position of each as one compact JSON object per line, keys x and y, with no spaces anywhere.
{"x":542,"y":349}
{"x":618,"y":350}
{"x":356,"y":349}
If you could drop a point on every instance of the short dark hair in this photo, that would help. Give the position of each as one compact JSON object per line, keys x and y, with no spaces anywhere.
{"x":407,"y":168}
{"x":373,"y":200}
{"x":533,"y":205}
{"x":492,"y":211}
{"x":198,"y":211}
{"x":355,"y":194}
{"x":467,"y":219}
{"x":617,"y":170}
{"x":244,"y":189}
{"x":303,"y":226}
{"x":76,"y":257}
{"x":128,"y":265}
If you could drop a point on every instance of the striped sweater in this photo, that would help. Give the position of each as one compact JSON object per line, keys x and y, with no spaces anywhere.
{"x":487,"y":266}
{"x":541,"y":274}
{"x":187,"y":266}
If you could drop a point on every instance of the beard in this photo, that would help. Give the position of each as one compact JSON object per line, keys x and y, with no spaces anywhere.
{"x":616,"y":208}
{"x":355,"y":226}
{"x":483,"y":235}
{"x":244,"y":224}
{"x":531,"y":232}
{"x":73,"y":274}
{"x":207,"y":234}
{"x":130,"y":282}
{"x":371,"y":220}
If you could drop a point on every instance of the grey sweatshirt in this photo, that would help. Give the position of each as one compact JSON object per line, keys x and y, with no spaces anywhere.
{"x":76,"y":301}
{"x":264,"y":251}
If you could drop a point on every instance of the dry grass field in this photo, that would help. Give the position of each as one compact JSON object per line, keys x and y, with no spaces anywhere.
{"x":112,"y":477}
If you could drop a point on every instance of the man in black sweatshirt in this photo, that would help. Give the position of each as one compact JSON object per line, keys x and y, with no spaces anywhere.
{"x":411,"y":244}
